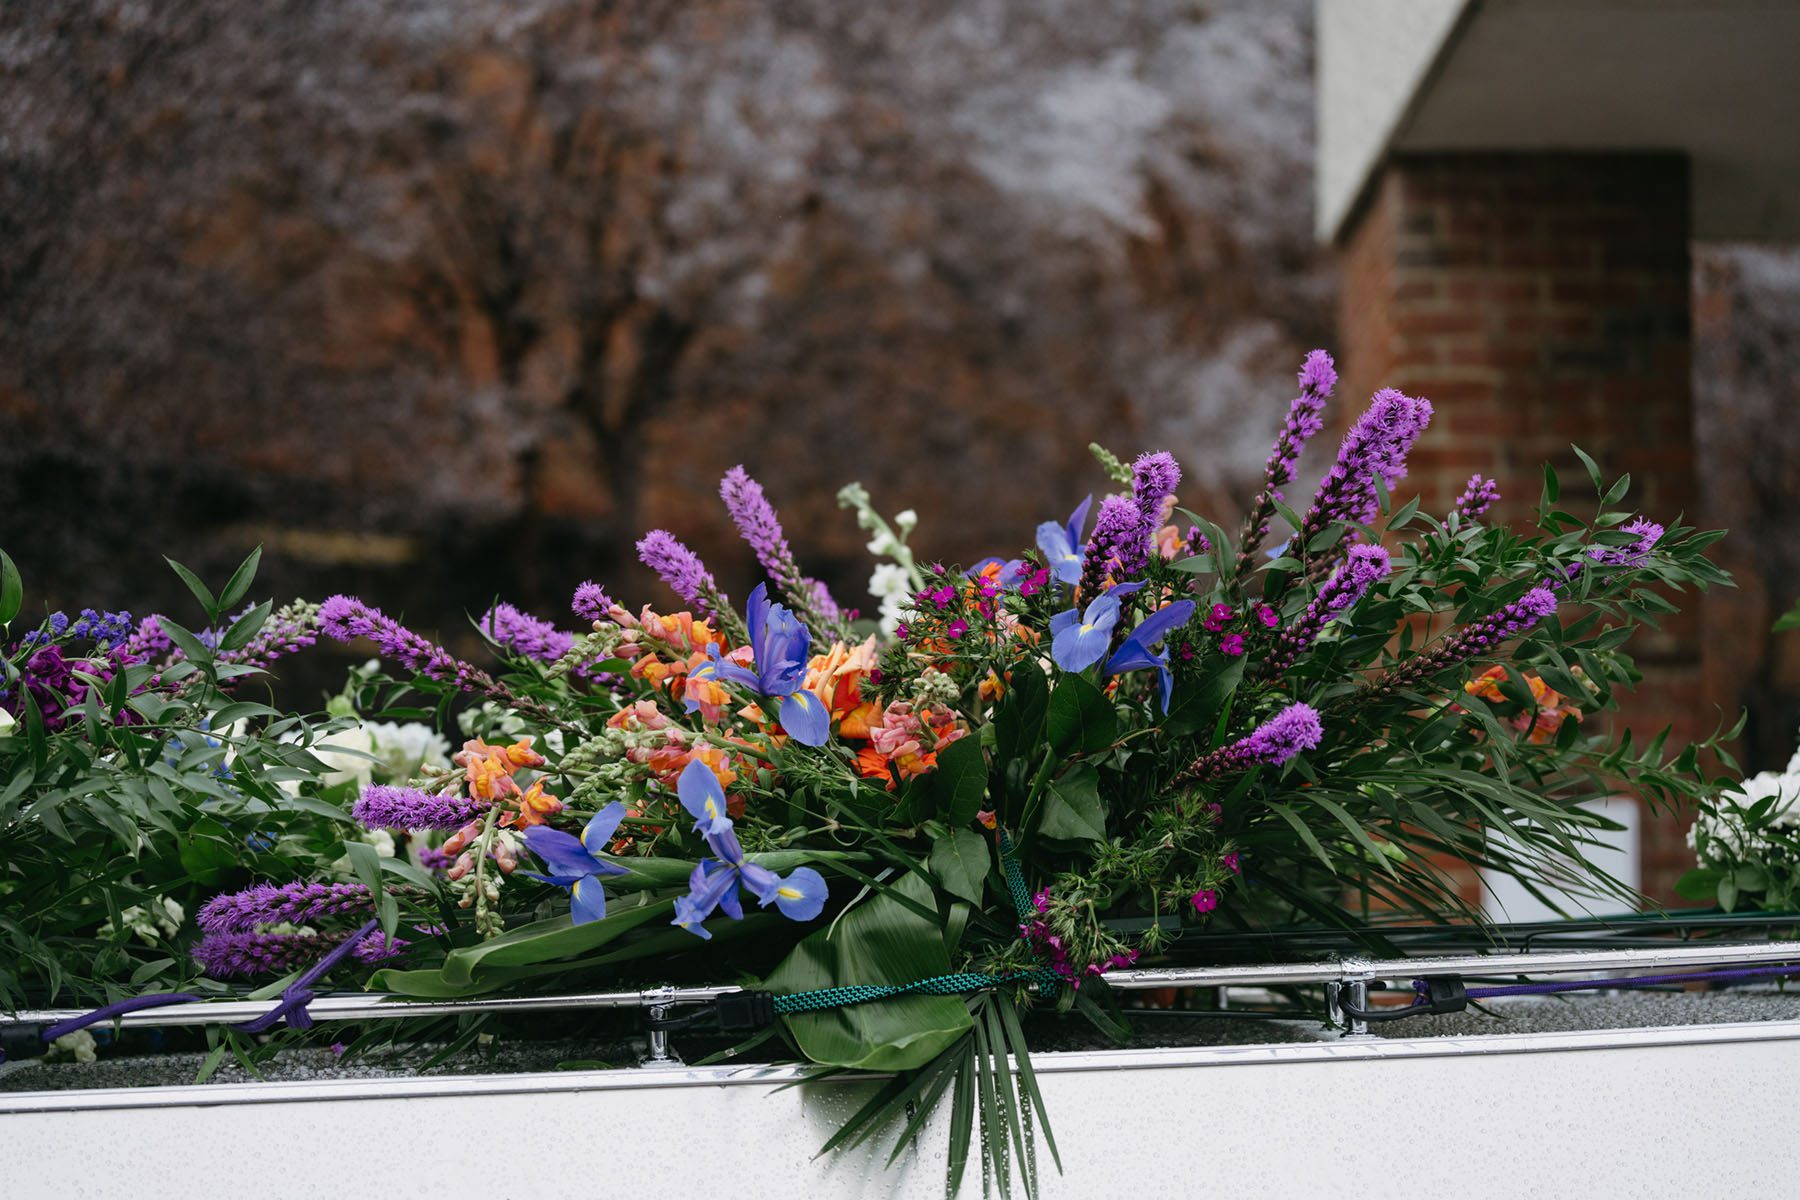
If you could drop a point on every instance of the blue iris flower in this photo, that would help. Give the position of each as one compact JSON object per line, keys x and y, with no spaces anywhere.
{"x":1138,"y":651}
{"x":1061,"y":544}
{"x":1078,"y":639}
{"x":781,"y":647}
{"x":799,"y":895}
{"x":575,"y":864}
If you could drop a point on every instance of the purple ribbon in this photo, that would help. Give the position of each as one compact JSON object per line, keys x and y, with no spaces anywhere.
{"x":115,"y":1009}
{"x":298,"y":994}
{"x":1576,"y":985}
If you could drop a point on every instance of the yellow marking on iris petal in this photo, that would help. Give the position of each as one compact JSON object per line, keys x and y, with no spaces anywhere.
{"x":575,"y":889}
{"x":788,"y":893}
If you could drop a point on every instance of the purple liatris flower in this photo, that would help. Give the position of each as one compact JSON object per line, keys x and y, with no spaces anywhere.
{"x":382,"y":806}
{"x":1375,"y":447}
{"x":681,"y":569}
{"x":1631,"y":554}
{"x":1274,"y":742}
{"x":1472,"y":640}
{"x":1318,"y":376}
{"x":525,"y":635}
{"x":1154,"y":478}
{"x":269,"y":904}
{"x":346,"y":618}
{"x":1477,"y":497}
{"x":757,"y":522}
{"x":229,"y":955}
{"x":289,"y":630}
{"x":1348,"y":584}
{"x":591,"y":603}
{"x":1119,"y":548}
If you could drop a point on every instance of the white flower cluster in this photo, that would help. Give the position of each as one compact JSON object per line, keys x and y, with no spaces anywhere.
{"x":892,"y":583}
{"x":1723,"y":834}
{"x":152,"y":923}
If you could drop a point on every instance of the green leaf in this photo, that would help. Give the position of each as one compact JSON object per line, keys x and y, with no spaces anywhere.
{"x":960,"y":781}
{"x":199,"y":589}
{"x":1789,"y":620}
{"x":1019,"y":722}
{"x":12,"y":589}
{"x":556,"y":938}
{"x":1198,"y":700}
{"x":185,"y":641}
{"x":1728,"y":894}
{"x":1081,"y":719}
{"x":367,"y":865}
{"x":245,"y":627}
{"x":878,"y":942}
{"x":1593,"y":468}
{"x":239,"y":583}
{"x":1552,"y":487}
{"x":960,"y":861}
{"x":1073,"y":810}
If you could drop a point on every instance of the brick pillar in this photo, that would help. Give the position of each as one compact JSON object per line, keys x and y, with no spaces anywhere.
{"x":1539,"y":300}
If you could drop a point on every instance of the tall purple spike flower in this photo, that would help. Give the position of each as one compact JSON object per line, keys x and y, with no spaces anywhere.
{"x":229,"y":955}
{"x":1154,"y":478}
{"x":1349,"y":583}
{"x":382,"y":806}
{"x":1376,"y":446}
{"x":1471,"y":641}
{"x":591,"y":603}
{"x":1305,"y":418}
{"x":760,"y":527}
{"x":1119,"y":547}
{"x":525,"y":635}
{"x":683,"y":571}
{"x":271,"y":904}
{"x":346,"y":618}
{"x":1274,"y":742}
{"x":1477,"y":497}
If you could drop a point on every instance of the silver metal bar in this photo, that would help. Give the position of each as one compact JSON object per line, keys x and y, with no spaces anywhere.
{"x":358,"y":1006}
{"x":1549,"y":962}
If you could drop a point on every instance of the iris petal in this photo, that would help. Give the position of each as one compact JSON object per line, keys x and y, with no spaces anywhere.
{"x":800,"y":896}
{"x":702,"y":796}
{"x":600,"y":829}
{"x":563,"y":853}
{"x":587,"y":901}
{"x":805,"y":718}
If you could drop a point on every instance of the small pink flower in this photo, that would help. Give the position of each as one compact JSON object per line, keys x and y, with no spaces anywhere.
{"x":1232,"y":644}
{"x":957,"y":628}
{"x":1217,"y":616}
{"x":1204,"y":900}
{"x":1231,"y":863}
{"x":941,"y":596}
{"x":1267,"y":616}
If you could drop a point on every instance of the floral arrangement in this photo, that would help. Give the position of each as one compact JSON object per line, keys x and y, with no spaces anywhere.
{"x":1027,"y":772}
{"x":1747,"y":842}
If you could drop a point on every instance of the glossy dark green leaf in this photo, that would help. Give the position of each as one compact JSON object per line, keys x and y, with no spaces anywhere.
{"x":1073,"y":810}
{"x":239,"y":583}
{"x":1081,"y":719}
{"x":960,"y":860}
{"x":12,"y":589}
{"x":960,"y":782}
{"x":200,"y":590}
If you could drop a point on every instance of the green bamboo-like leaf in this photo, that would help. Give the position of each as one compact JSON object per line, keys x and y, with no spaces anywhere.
{"x":555,"y":938}
{"x":962,"y":1122}
{"x":245,"y":627}
{"x":239,"y":583}
{"x":200,"y":590}
{"x":878,"y":942}
{"x":1015,"y":1038}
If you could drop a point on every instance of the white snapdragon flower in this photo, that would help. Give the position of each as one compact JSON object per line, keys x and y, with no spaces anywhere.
{"x":6,"y":723}
{"x":405,"y":749}
{"x":892,"y":585}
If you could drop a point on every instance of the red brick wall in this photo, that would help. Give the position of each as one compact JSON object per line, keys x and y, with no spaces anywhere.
{"x":1539,"y":300}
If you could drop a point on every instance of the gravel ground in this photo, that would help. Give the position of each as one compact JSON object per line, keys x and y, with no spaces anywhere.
{"x":1150,"y":1030}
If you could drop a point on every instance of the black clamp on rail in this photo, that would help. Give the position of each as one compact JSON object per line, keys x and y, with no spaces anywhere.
{"x":1444,"y":994}
{"x":22,"y":1040}
{"x":733,"y":1012}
